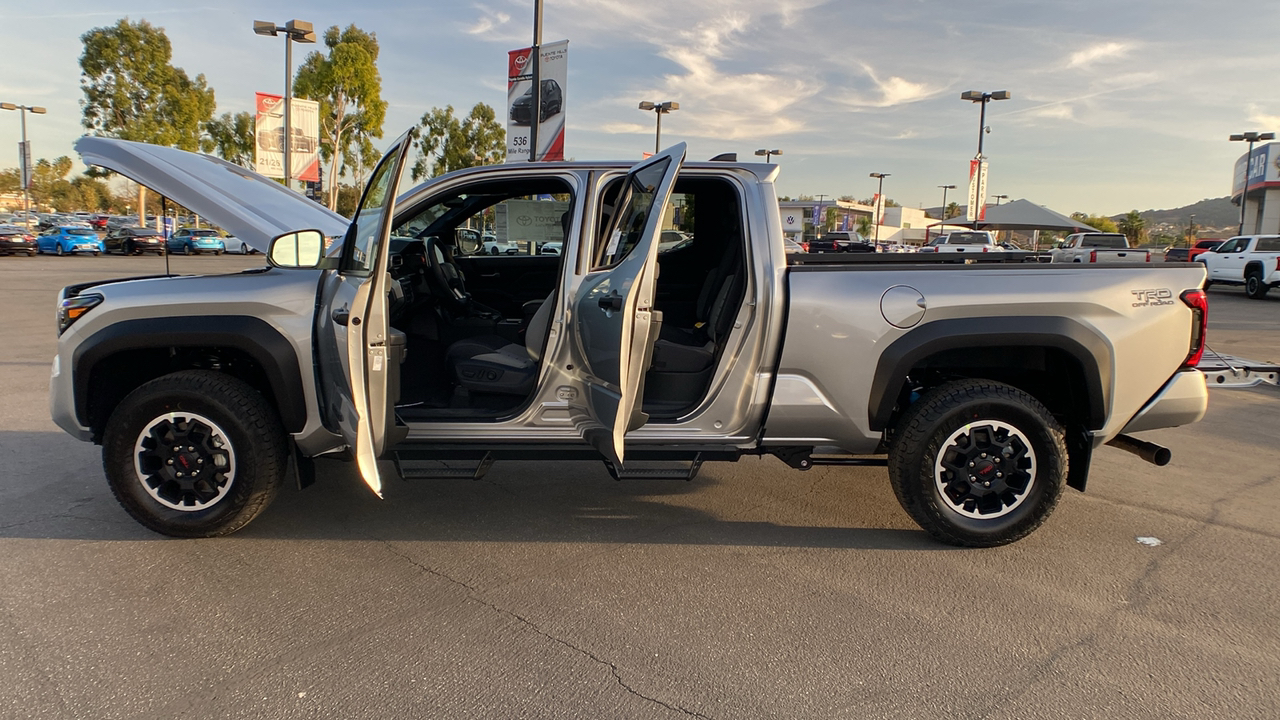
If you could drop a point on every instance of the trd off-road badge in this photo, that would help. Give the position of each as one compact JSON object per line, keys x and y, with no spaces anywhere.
{"x":1152,"y":298}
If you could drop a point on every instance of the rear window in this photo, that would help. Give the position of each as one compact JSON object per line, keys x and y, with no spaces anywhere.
{"x":1104,"y":241}
{"x":1269,"y":244}
{"x":204,"y":233}
{"x":1208,"y":244}
{"x":969,"y":238}
{"x":80,"y":231}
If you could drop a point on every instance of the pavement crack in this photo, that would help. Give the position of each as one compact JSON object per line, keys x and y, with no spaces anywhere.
{"x":477,"y":597}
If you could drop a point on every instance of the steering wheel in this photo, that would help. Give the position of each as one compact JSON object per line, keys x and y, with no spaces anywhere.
{"x":443,"y":279}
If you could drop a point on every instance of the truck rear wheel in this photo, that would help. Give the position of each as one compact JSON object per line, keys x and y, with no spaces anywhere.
{"x":194,"y":454}
{"x":1255,"y":287}
{"x":978,"y":463}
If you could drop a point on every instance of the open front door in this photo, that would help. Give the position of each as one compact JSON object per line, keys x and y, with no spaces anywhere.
{"x":359,"y":366}
{"x":614,"y":323}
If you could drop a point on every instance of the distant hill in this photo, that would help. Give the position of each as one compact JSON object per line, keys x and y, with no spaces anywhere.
{"x":1210,"y":213}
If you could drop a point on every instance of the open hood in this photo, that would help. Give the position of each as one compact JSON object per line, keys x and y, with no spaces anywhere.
{"x":253,"y":208}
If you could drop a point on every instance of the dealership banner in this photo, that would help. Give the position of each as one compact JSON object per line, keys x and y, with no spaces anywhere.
{"x":977,"y":209}
{"x":1263,"y":169}
{"x":269,"y":140}
{"x":553,"y":70}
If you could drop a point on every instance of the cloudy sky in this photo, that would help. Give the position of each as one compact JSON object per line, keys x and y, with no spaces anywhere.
{"x":1116,"y":105}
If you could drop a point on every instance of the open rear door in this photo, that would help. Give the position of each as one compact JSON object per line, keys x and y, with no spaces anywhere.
{"x":614,"y":324}
{"x":360,"y":333}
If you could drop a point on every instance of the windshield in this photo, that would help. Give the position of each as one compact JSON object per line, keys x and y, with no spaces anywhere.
{"x":968,"y":238}
{"x":1104,"y":241}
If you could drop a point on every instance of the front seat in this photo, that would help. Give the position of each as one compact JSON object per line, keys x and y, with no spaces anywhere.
{"x":493,"y":365}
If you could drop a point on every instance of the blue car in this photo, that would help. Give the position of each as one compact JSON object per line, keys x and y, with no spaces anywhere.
{"x":196,"y":242}
{"x":70,"y":239}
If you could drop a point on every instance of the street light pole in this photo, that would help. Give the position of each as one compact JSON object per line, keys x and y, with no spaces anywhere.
{"x":945,"y":188}
{"x":1191,"y":230}
{"x":294,"y":31}
{"x":768,"y":154}
{"x":821,"y":218}
{"x":660,"y":108}
{"x":982,"y":98}
{"x":25,"y":157}
{"x":1251,"y":138}
{"x":879,"y":201}
{"x":999,"y":198}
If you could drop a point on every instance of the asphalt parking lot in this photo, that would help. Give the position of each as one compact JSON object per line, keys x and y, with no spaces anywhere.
{"x":553,"y":591}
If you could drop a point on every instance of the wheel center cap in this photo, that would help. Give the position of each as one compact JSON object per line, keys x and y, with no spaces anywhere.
{"x":187,"y":462}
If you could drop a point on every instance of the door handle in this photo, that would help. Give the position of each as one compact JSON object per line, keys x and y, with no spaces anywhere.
{"x":612,"y":301}
{"x":341,"y":317}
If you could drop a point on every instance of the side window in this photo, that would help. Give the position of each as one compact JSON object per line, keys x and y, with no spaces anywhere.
{"x":630,"y":219}
{"x":1229,"y":246}
{"x":1269,"y":244}
{"x":363,"y":231}
{"x":528,"y":217}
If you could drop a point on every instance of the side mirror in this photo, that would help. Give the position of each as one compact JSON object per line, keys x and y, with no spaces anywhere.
{"x":301,"y":249}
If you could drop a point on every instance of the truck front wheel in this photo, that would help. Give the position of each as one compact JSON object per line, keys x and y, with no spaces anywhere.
{"x":978,"y":463}
{"x":194,"y":454}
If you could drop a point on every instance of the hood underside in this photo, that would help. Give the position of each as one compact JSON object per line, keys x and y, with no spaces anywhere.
{"x":253,"y":208}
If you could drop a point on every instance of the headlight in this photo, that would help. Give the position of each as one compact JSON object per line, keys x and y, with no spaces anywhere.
{"x":73,"y":308}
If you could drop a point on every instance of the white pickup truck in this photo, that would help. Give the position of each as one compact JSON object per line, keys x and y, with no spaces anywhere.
{"x":1098,"y":248}
{"x":968,"y":241}
{"x":1249,"y":260}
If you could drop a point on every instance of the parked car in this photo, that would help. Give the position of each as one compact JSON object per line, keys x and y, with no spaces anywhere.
{"x":551,"y":248}
{"x":187,"y":241}
{"x":238,"y":246}
{"x":1249,"y":260}
{"x":1203,"y":246}
{"x":491,"y":245}
{"x":16,"y":240}
{"x":966,"y":241}
{"x":552,"y":103}
{"x":988,"y":391}
{"x":70,"y":239}
{"x":1098,"y":248}
{"x":841,"y":241}
{"x":791,"y":247}
{"x":134,"y":241}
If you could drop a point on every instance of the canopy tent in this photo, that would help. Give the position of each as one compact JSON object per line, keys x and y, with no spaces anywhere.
{"x":1023,"y":215}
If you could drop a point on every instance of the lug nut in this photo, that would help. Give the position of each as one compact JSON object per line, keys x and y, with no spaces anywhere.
{"x":970,"y":464}
{"x":169,"y":461}
{"x":997,"y":459}
{"x":983,"y":455}
{"x":178,"y":474}
{"x":986,"y":484}
{"x":192,"y":449}
{"x":177,"y":449}
{"x":199,"y":461}
{"x":973,"y":479}
{"x":999,"y":474}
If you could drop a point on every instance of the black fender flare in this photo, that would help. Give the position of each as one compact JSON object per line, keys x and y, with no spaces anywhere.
{"x":251,"y":335}
{"x":1086,"y":346}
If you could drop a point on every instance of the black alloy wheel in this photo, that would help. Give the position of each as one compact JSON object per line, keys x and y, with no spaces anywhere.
{"x":194,"y":454}
{"x":978,"y":463}
{"x":1255,"y":287}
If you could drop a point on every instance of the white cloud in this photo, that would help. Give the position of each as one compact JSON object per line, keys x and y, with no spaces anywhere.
{"x":488,"y":20}
{"x":1097,"y":52}
{"x":1263,"y":119}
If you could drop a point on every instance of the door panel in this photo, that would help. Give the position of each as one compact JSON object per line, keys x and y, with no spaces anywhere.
{"x":614,"y":323}
{"x":358,"y":364}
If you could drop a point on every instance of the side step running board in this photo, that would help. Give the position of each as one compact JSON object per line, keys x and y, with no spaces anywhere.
{"x":656,"y":469}
{"x":459,"y":469}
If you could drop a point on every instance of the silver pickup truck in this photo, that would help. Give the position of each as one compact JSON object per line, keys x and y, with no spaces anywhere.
{"x":1098,"y":248}
{"x":986,"y":385}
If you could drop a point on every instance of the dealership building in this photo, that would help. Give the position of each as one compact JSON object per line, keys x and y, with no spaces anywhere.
{"x":1261,"y":191}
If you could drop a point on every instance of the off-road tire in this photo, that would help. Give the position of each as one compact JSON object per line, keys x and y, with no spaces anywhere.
{"x":252,"y":428}
{"x":1255,"y":287}
{"x":922,"y":435}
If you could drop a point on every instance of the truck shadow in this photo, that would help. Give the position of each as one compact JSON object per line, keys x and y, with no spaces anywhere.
{"x":756,"y":502}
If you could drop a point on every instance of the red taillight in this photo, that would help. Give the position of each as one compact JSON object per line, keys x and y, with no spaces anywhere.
{"x":1148,"y":256}
{"x":1093,"y":256}
{"x":805,"y":245}
{"x":1198,"y":301}
{"x":984,"y":248}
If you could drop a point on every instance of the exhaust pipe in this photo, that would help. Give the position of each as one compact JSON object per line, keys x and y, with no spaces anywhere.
{"x":1149,"y":451}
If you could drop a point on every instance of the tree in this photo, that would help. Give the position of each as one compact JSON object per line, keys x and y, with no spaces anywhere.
{"x":230,"y":137}
{"x":133,"y":93}
{"x":953,"y":210}
{"x":865,"y":225}
{"x":346,"y":84}
{"x":1097,"y":222}
{"x":1134,"y":227}
{"x":447,"y":143}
